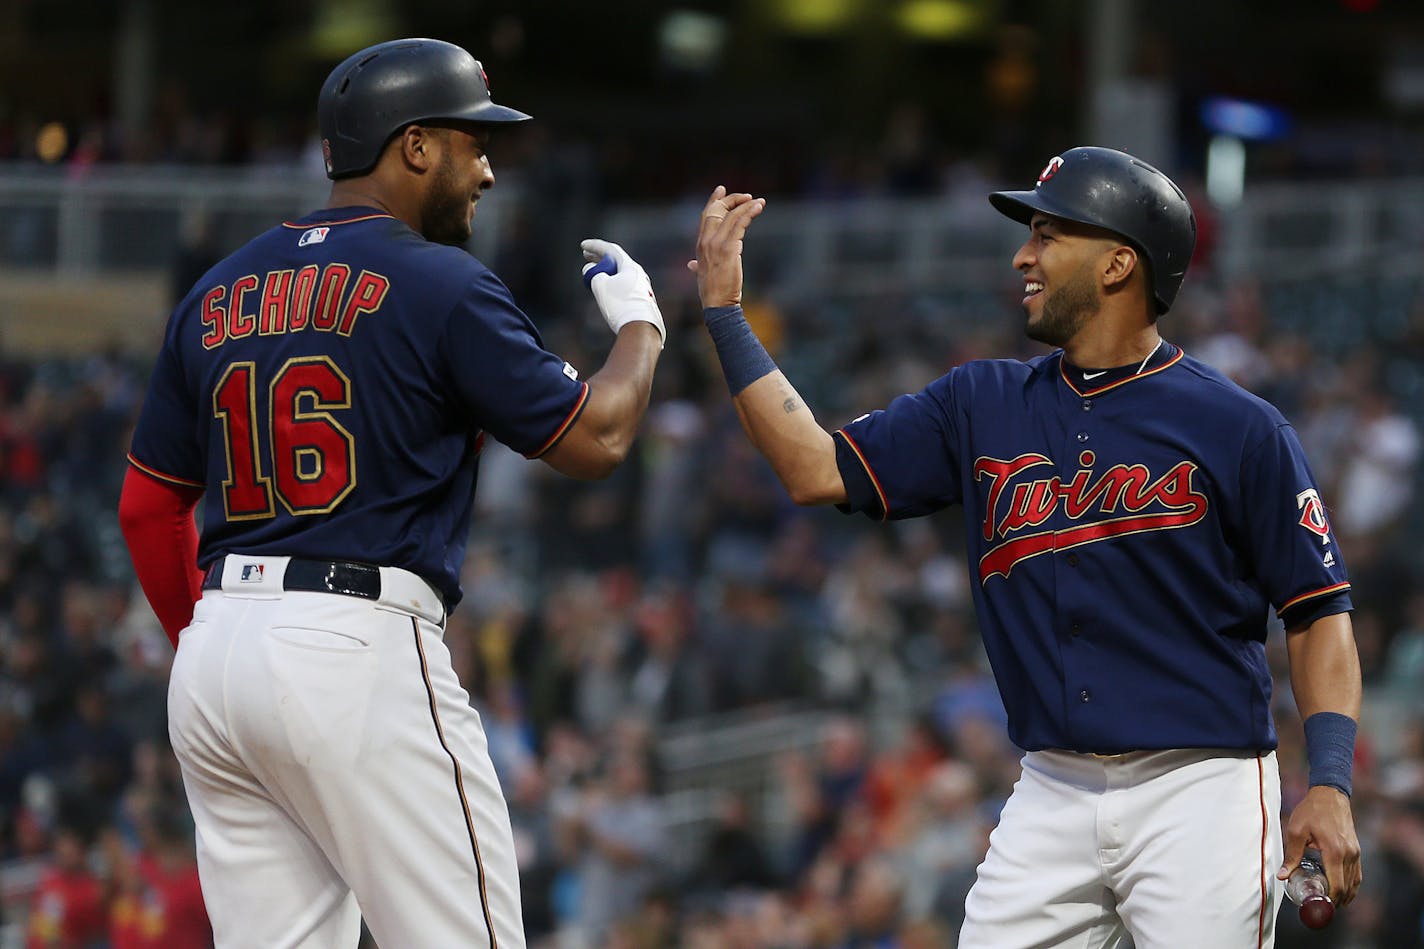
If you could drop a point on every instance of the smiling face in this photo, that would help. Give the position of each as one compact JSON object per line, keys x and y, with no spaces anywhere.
{"x":1063,"y":264}
{"x":460,"y":177}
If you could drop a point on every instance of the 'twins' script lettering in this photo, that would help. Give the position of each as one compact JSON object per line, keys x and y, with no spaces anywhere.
{"x":1124,"y":499}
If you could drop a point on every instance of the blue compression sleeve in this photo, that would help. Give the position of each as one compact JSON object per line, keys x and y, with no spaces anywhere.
{"x":1330,"y":748}
{"x":744,"y":358}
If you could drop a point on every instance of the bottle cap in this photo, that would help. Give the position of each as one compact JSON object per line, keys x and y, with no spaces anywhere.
{"x":1317,"y":911}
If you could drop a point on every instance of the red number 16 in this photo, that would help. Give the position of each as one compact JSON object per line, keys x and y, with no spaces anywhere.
{"x":312,"y":456}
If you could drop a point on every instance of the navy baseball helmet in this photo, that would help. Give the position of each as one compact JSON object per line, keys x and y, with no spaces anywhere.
{"x":379,"y":91}
{"x":1125,"y":195}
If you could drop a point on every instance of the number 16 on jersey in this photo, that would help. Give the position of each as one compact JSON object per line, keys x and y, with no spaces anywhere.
{"x":309,"y":455}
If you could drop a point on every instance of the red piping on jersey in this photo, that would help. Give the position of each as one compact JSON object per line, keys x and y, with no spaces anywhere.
{"x":1261,"y":919}
{"x":879,"y":491}
{"x":1337,"y":588}
{"x":459,"y":782}
{"x":350,"y":220}
{"x":1121,"y":382}
{"x":171,"y":479}
{"x":569,"y":420}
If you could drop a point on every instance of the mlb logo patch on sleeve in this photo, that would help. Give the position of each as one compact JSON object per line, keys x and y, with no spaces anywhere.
{"x":314,"y":235}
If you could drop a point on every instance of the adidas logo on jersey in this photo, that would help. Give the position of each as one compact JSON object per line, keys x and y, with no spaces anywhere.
{"x":251,"y":573}
{"x":1328,"y":560}
{"x":313,"y":235}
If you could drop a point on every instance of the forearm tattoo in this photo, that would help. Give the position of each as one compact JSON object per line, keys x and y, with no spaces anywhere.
{"x":792,"y":402}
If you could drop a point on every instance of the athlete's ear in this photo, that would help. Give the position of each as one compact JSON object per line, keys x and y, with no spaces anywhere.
{"x":1118,"y":268}
{"x":417,"y":145}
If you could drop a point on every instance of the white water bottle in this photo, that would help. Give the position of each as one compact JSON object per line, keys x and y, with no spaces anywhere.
{"x":1309,"y":889}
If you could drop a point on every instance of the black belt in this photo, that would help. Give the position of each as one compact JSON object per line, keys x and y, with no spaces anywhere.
{"x":316,"y":576}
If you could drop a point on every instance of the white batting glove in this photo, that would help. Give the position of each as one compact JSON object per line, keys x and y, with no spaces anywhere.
{"x":620,"y":286}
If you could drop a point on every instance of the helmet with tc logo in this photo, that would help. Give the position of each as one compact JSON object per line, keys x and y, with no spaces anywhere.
{"x":1113,"y":190}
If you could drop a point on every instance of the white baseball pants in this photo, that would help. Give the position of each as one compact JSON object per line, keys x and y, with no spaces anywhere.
{"x":1157,"y":849}
{"x":335,"y":769}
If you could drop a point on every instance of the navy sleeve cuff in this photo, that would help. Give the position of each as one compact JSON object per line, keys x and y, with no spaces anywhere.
{"x":1303,"y":614}
{"x":862,"y":498}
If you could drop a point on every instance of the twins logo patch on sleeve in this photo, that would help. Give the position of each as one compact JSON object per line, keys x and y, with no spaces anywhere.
{"x":1312,"y":514}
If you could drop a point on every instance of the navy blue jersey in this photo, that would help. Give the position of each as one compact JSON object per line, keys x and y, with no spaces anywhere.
{"x":330,"y":384}
{"x":1126,"y":541}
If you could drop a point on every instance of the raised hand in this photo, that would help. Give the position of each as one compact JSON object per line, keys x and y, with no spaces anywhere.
{"x":719,"y":246}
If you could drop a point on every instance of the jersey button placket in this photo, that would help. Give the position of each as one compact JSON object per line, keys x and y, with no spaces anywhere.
{"x":1078,"y":448}
{"x":1072,"y":599}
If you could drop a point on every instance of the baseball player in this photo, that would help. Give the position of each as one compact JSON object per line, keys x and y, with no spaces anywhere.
{"x":327,"y":389}
{"x":1132,"y":514}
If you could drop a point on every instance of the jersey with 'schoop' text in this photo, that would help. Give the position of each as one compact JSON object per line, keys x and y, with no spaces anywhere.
{"x":330,"y":384}
{"x":1127,"y":535}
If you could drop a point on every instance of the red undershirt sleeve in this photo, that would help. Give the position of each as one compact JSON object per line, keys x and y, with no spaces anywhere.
{"x":157,"y":521}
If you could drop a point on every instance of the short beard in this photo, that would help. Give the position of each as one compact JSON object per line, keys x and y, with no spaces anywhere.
{"x":1065,"y":311}
{"x":446,"y":213}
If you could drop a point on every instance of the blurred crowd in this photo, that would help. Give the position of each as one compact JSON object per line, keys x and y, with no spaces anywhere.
{"x":607,"y":626}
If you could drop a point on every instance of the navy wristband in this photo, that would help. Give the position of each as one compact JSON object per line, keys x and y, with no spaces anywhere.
{"x":1330,"y":749}
{"x":744,"y":358}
